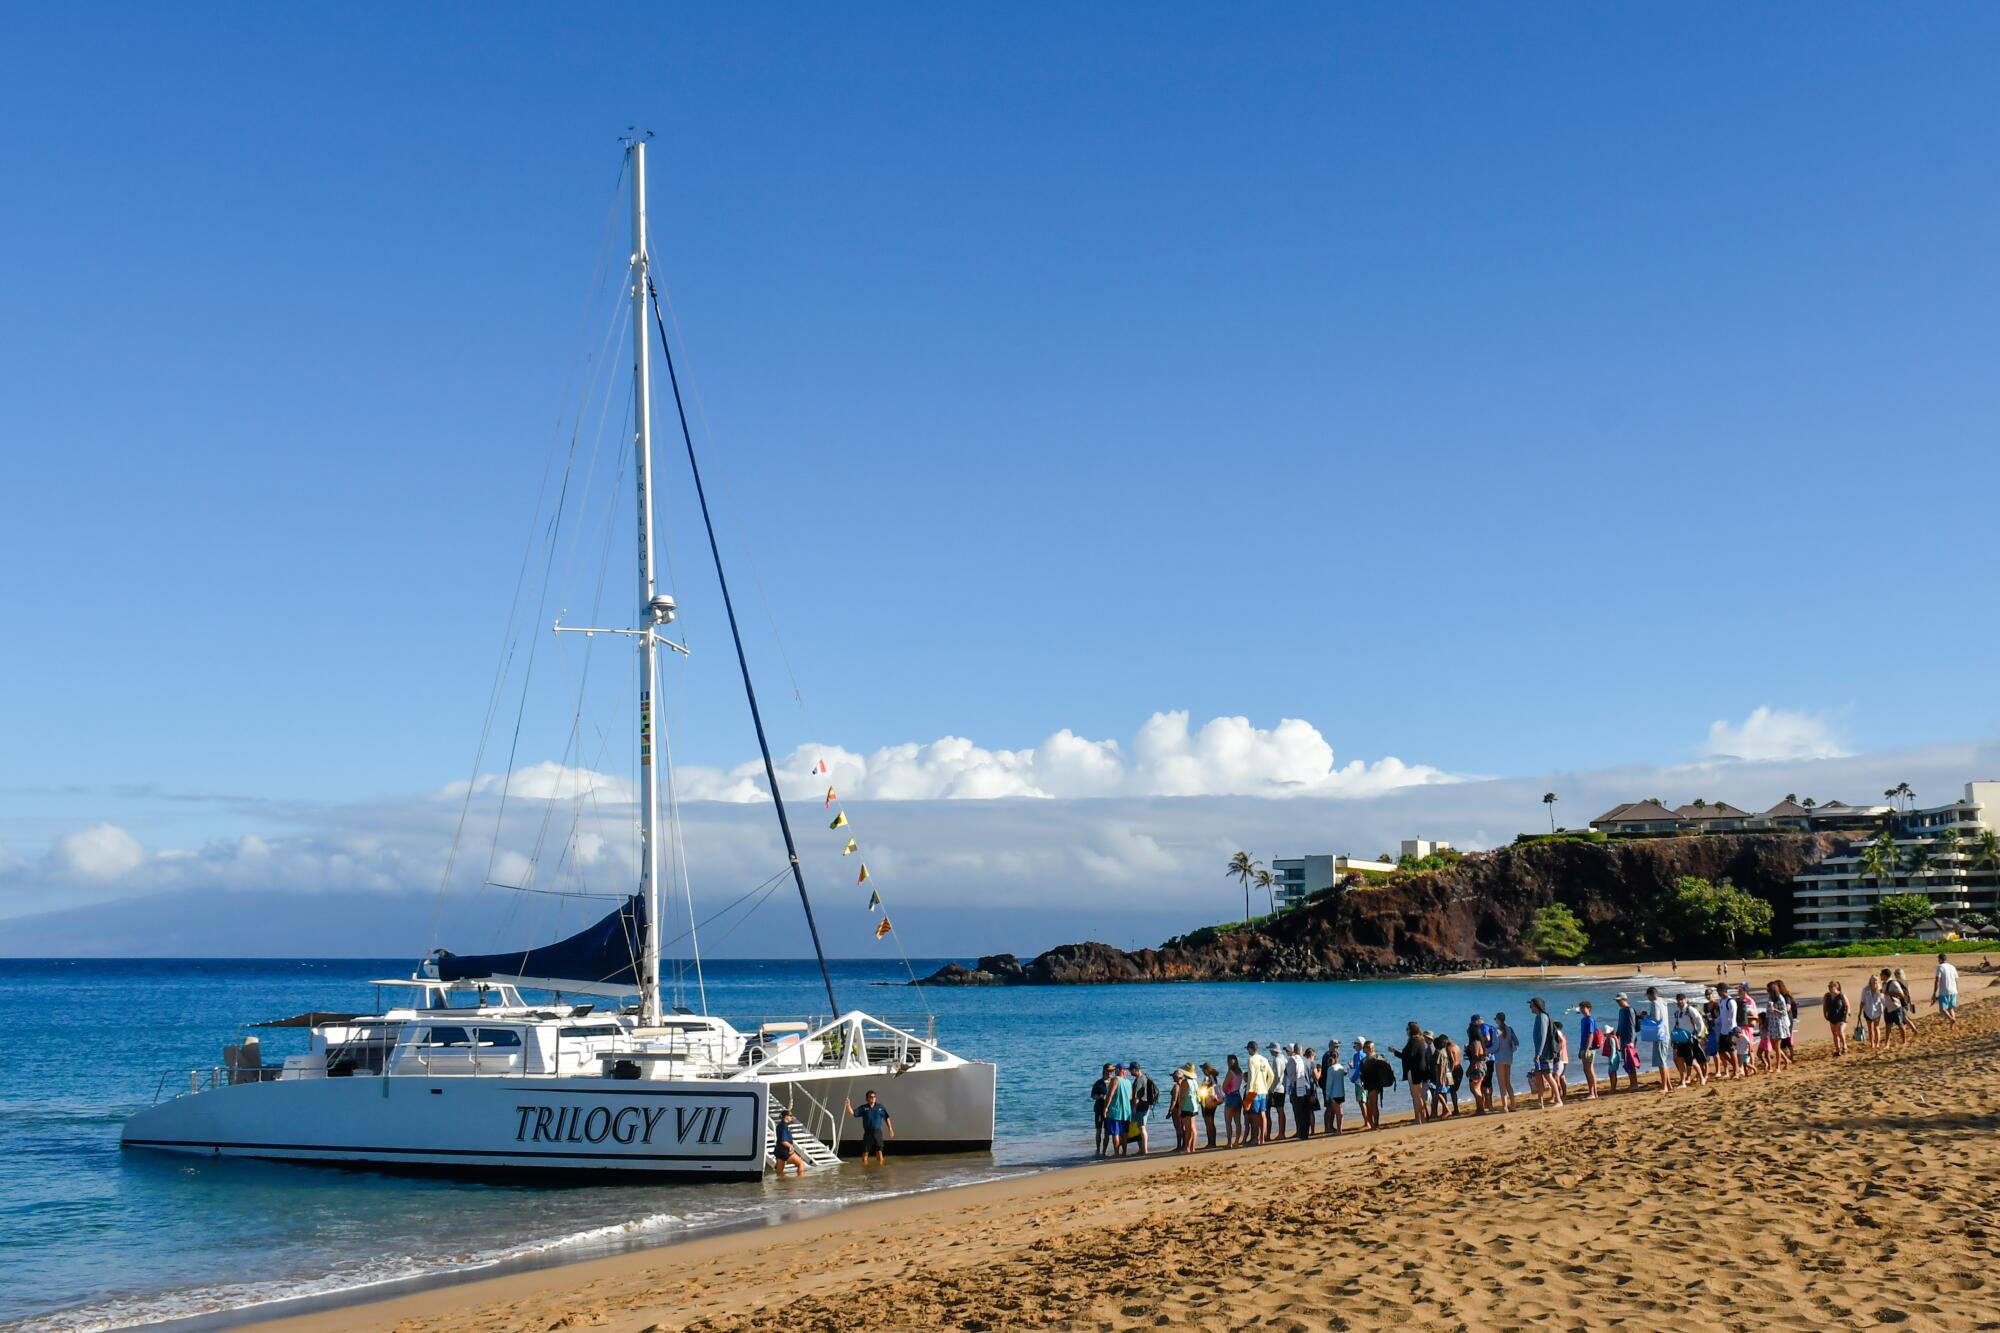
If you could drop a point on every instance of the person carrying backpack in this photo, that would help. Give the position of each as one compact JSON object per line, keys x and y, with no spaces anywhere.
{"x":1377,"y":1077}
{"x":1419,"y":1059}
{"x":1145,"y":1096}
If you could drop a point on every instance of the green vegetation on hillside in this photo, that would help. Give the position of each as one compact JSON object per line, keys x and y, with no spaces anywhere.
{"x":1555,"y":934}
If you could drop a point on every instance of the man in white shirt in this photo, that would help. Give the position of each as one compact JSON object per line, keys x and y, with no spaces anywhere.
{"x":1274,"y":1105}
{"x":1260,"y":1077}
{"x":1690,"y":1030}
{"x":1725,"y":1034}
{"x":1944,"y":989}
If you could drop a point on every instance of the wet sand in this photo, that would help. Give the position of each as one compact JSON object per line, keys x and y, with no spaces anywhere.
{"x":1842,"y":1194}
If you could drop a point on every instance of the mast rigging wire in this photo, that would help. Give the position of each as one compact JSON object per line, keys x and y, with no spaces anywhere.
{"x":665,"y":295}
{"x":510,"y":635}
{"x":742,"y":661}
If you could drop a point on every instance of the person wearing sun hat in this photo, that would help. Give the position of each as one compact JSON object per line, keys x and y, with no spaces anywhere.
{"x":1184,"y":1103}
{"x":1100,"y":1093}
{"x":1145,"y":1096}
{"x":1209,"y":1092}
{"x":1118,"y":1110}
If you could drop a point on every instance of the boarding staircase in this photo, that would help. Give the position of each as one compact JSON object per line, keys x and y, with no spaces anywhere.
{"x":810,"y":1145}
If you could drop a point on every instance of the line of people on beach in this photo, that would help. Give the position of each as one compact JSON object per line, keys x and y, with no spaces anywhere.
{"x":1280,"y":1090}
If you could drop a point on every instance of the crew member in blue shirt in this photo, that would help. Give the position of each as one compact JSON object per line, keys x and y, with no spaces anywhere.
{"x":876,"y":1129}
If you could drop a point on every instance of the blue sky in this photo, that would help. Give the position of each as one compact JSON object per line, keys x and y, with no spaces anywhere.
{"x":1513,"y":391}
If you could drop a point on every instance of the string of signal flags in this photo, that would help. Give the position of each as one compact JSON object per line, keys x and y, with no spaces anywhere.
{"x":853,"y":847}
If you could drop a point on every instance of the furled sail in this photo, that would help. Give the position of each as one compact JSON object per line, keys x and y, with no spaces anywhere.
{"x":600,"y":959}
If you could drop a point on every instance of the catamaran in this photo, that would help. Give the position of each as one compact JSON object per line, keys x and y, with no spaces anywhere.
{"x":467,"y":1075}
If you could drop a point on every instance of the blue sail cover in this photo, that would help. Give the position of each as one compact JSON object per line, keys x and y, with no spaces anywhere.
{"x":602,"y":957}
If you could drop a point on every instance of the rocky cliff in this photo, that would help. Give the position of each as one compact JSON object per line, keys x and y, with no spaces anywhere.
{"x":1446,"y":920}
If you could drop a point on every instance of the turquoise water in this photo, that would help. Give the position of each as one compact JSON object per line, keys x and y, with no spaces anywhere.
{"x":93,"y":1237}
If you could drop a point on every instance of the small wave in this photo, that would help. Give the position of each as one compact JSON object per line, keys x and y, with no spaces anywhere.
{"x":161,"y":1307}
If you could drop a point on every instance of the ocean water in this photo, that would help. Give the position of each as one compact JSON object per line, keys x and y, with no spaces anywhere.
{"x":94,"y":1237}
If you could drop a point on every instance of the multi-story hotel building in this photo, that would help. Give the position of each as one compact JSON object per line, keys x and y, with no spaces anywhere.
{"x":1946,"y":853}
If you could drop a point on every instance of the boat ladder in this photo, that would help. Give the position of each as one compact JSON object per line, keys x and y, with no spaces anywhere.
{"x":810,"y":1145}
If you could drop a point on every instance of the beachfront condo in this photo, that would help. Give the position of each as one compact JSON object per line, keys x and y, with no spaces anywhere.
{"x":1936,"y":854}
{"x":1300,"y":877}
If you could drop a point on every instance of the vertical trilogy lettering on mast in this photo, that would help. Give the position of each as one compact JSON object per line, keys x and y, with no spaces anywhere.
{"x":657,"y":610}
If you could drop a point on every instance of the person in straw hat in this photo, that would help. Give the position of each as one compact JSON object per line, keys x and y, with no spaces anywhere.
{"x":1184,"y":1103}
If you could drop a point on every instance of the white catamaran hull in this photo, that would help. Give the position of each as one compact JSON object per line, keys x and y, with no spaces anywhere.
{"x":935,"y":1108}
{"x":480,"y":1126}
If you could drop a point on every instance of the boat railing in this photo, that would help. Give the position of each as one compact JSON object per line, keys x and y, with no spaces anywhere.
{"x":819,"y":1119}
{"x":216,"y":1076}
{"x":853,"y":1040}
{"x":921,"y":1027}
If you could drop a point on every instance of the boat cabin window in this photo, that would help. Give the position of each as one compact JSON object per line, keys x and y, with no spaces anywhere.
{"x":594,"y":1030}
{"x":437,"y":1035}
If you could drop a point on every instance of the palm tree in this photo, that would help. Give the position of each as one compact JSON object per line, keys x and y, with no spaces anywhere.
{"x":1809,"y":803}
{"x":1265,"y":881}
{"x":1886,"y":856}
{"x":1918,"y":862}
{"x":1948,"y":844}
{"x":1875,"y":864}
{"x":1549,"y":799}
{"x":1243,"y":868}
{"x":1988,"y":855}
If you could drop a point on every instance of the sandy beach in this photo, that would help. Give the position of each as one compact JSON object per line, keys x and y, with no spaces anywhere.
{"x":1843,"y":1193}
{"x":1806,"y":976}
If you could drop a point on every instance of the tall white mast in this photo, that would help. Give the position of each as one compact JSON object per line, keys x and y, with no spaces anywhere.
{"x":654,"y":610}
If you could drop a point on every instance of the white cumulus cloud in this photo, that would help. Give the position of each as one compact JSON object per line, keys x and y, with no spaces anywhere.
{"x":546,"y":781}
{"x":1773,"y":734}
{"x":1226,"y":756}
{"x":98,"y":853}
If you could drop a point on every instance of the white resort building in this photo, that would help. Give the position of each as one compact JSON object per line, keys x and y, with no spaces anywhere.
{"x":1947,"y":853}
{"x":1300,"y":877}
